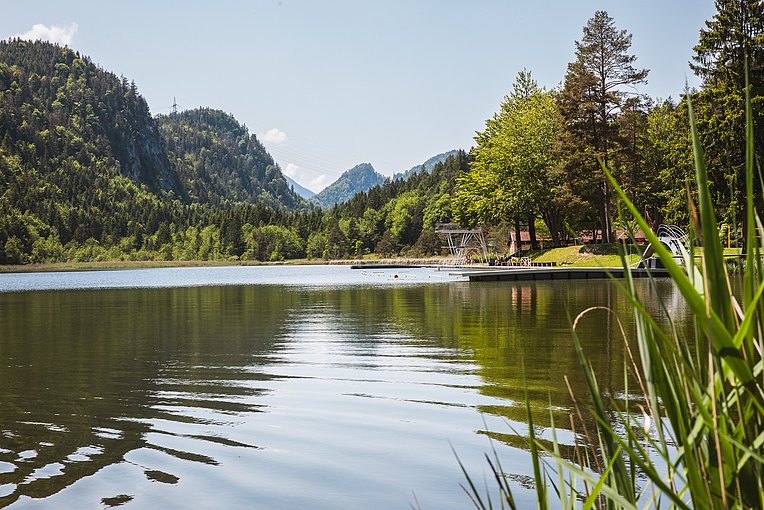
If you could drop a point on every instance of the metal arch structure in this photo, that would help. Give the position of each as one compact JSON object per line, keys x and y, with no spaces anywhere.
{"x":462,"y":240}
{"x":673,"y":238}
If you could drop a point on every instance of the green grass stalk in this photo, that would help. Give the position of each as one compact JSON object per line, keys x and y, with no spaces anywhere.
{"x":700,"y":443}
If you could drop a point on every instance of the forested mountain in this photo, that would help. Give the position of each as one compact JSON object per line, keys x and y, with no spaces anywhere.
{"x":218,"y":161}
{"x":79,"y":154}
{"x":59,"y":110}
{"x":358,"y":179}
{"x":87,"y":174}
{"x":428,"y":165}
{"x":299,"y":189}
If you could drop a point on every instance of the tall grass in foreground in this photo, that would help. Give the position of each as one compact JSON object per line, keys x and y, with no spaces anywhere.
{"x":699,"y":442}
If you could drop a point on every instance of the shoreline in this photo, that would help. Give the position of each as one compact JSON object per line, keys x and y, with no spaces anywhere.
{"x":115,"y":265}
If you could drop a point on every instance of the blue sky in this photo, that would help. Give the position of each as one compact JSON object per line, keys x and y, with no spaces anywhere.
{"x":329,"y":84}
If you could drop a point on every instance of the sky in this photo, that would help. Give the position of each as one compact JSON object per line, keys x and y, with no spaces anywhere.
{"x":328,"y":84}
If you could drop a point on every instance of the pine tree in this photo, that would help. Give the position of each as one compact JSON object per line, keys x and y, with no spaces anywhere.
{"x":733,"y":36}
{"x":736,"y":32}
{"x":591,"y":101}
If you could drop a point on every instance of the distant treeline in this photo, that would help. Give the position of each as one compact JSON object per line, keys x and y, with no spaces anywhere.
{"x":87,"y":174}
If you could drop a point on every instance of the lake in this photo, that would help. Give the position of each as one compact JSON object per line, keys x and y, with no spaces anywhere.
{"x":305,"y":387}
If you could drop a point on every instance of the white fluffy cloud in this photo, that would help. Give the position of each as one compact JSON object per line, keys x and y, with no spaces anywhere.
{"x":52,"y":33}
{"x":292,"y":170}
{"x":318,"y":183}
{"x":274,"y":136}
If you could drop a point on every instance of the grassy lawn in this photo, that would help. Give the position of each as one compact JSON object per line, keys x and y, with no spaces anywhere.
{"x":600,"y":255}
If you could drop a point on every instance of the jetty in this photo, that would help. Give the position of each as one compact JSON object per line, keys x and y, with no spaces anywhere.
{"x":558,"y":273}
{"x":387,"y":266}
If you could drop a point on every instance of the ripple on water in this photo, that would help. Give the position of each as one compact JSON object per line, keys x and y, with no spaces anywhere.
{"x":84,"y":453}
{"x":47,"y":471}
{"x":253,"y":395}
{"x":27,"y":454}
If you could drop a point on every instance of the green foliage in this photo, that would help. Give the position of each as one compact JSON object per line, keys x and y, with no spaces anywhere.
{"x":220,"y":163}
{"x":358,"y":179}
{"x":316,"y":246}
{"x":593,"y":104}
{"x":59,"y":110}
{"x":387,"y":247}
{"x":512,"y":175}
{"x":734,"y":34}
{"x":699,"y":440}
{"x":668,"y":155}
{"x":272,"y":242}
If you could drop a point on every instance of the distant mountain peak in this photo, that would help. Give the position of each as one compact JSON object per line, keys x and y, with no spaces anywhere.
{"x":427,"y":165}
{"x":361,"y":177}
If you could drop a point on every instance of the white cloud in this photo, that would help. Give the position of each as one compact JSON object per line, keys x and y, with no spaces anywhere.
{"x":274,"y":136}
{"x":318,"y":183}
{"x":292,"y":170}
{"x":53,"y":33}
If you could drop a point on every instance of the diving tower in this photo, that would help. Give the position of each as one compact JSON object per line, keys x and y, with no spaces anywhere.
{"x":462,"y":242}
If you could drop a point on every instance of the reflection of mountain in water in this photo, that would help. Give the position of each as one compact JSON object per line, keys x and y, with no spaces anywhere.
{"x":93,"y":375}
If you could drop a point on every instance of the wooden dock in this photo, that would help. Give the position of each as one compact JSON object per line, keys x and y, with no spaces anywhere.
{"x":385,"y":266}
{"x":558,"y":273}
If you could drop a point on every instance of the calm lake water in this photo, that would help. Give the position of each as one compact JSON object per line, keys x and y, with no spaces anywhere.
{"x":313,"y":387}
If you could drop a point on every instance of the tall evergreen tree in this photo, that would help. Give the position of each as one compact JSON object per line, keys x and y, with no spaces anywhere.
{"x":736,"y":32}
{"x":591,"y":101}
{"x":733,"y":36}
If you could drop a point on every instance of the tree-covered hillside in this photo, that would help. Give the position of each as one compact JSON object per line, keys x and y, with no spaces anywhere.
{"x":219,"y":162}
{"x":356,"y":180}
{"x":85,"y":174}
{"x":58,"y":109}
{"x":79,"y":155}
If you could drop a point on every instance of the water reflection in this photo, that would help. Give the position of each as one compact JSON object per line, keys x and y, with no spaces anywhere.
{"x":519,"y":336}
{"x":92,"y":375}
{"x":289,"y":397}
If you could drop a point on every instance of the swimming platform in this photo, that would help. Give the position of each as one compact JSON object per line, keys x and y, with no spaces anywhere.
{"x":530,"y":273}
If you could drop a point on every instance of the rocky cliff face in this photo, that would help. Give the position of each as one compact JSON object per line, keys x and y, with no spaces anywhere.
{"x":142,"y":157}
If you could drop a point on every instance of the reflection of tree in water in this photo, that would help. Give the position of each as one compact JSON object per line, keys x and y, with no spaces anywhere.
{"x":519,"y":333}
{"x":89,"y":377}
{"x":89,"y":374}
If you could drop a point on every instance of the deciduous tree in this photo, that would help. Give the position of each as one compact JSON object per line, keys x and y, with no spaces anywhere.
{"x":512,"y":176}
